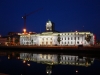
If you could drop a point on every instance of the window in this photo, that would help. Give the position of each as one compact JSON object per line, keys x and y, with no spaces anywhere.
{"x":51,"y":38}
{"x":51,"y":57}
{"x":42,"y":56}
{"x":62,"y":57}
{"x":78,"y":33}
{"x":68,"y":38}
{"x":68,"y":42}
{"x":62,"y":38}
{"x":65,"y":42}
{"x":77,"y":42}
{"x":71,"y":42}
{"x":42,"y":38}
{"x":47,"y":38}
{"x":75,"y":38}
{"x":71,"y":38}
{"x":65,"y":58}
{"x":65,"y":38}
{"x":78,"y":38}
{"x":46,"y":57}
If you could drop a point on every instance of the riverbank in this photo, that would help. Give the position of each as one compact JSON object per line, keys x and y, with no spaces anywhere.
{"x":52,"y":48}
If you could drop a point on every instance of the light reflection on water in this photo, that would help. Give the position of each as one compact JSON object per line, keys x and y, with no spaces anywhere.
{"x":53,"y":64}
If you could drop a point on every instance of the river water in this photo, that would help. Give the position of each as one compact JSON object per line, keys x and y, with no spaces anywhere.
{"x":29,"y":63}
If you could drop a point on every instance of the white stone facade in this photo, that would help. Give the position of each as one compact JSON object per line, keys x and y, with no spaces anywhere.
{"x":49,"y":38}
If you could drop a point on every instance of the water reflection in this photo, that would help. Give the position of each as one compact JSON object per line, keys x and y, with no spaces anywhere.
{"x":54,"y":59}
{"x":51,"y":61}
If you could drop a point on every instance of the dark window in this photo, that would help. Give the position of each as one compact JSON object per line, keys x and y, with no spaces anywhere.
{"x":75,"y":38}
{"x":68,"y":38}
{"x":71,"y":42}
{"x":46,"y":57}
{"x":68,"y":42}
{"x":78,"y":38}
{"x":77,"y":42}
{"x":71,"y":38}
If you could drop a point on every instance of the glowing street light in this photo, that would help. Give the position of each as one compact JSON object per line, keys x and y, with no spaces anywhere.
{"x":24,"y":30}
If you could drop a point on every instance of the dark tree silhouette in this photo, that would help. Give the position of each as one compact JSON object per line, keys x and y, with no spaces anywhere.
{"x":59,"y":39}
{"x":88,"y":38}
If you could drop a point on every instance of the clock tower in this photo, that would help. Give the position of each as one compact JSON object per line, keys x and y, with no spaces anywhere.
{"x":49,"y":26}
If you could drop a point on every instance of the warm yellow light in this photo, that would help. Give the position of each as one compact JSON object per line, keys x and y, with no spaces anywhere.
{"x":24,"y":61}
{"x":24,"y":30}
{"x":76,"y":71}
{"x":18,"y":57}
{"x":28,"y":64}
{"x":8,"y":57}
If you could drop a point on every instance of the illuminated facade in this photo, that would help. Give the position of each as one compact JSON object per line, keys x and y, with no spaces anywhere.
{"x":50,"y":37}
{"x":52,"y":59}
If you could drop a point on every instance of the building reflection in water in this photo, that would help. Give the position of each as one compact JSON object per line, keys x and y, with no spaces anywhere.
{"x":50,"y":59}
{"x":53,"y":59}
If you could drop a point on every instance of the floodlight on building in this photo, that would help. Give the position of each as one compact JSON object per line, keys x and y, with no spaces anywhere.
{"x":24,"y":30}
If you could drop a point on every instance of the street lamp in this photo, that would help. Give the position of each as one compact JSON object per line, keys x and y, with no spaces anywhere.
{"x":24,"y":30}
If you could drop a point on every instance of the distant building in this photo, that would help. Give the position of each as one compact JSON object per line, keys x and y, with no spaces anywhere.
{"x":52,"y":37}
{"x":13,"y":38}
{"x":3,"y":40}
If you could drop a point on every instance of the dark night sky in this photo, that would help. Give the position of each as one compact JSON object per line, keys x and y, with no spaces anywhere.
{"x":66,"y":14}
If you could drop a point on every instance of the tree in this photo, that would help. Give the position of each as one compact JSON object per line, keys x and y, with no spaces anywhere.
{"x":16,"y":40}
{"x":88,"y":38}
{"x":59,"y":39}
{"x":32,"y":41}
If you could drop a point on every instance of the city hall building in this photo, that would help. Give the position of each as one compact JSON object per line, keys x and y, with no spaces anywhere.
{"x":52,"y":37}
